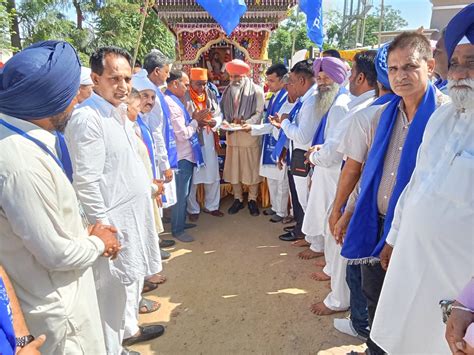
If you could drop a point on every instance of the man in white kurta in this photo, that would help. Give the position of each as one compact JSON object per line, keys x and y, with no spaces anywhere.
{"x":200,"y":98}
{"x":44,"y":244}
{"x":157,"y":68}
{"x":113,"y":186}
{"x":327,"y":161}
{"x":432,"y":232}
{"x":300,"y":132}
{"x":276,"y":175}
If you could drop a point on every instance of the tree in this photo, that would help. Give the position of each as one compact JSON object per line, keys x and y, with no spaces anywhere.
{"x":281,"y":41}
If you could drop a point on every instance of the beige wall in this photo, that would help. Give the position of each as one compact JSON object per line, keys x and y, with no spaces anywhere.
{"x":444,"y":10}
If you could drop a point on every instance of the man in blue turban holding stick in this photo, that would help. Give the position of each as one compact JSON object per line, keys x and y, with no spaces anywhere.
{"x":44,"y":243}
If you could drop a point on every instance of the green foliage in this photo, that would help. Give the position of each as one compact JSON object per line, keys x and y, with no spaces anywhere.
{"x":116,"y":23}
{"x":281,"y":40}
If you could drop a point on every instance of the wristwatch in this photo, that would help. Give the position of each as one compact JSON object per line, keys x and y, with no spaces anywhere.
{"x":21,"y":342}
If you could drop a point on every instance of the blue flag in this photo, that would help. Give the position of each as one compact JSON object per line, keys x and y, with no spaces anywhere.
{"x":314,"y":20}
{"x":227,"y":13}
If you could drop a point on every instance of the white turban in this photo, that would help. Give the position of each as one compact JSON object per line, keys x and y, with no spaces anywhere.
{"x":86,"y":76}
{"x":141,"y":82}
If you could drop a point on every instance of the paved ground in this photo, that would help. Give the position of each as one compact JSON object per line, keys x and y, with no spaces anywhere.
{"x":238,"y":289}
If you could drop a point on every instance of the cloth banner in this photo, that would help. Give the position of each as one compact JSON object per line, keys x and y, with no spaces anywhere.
{"x":314,"y":20}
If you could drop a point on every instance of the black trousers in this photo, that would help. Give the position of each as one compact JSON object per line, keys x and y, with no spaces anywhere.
{"x":372,"y":280}
{"x":298,"y":212}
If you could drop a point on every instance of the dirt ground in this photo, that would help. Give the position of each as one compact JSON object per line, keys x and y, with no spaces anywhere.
{"x":238,"y":289}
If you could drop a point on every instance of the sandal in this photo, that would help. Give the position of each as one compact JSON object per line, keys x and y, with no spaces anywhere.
{"x":148,"y":287}
{"x":288,"y":220}
{"x":149,"y":305}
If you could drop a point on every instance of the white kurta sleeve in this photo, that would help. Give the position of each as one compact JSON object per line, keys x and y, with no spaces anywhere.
{"x":29,"y":201}
{"x":85,"y":142}
{"x":261,"y":129}
{"x":302,"y":131}
{"x":337,"y":125}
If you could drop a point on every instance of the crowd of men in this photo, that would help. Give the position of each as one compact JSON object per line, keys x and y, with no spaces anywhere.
{"x":376,"y":160}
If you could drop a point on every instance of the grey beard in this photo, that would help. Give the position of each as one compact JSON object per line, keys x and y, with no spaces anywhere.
{"x":462,"y":98}
{"x":325,"y":99}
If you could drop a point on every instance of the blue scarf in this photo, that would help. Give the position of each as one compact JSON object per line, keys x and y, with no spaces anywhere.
{"x":441,"y":84}
{"x":318,"y":137}
{"x":147,"y":138}
{"x":282,"y":139}
{"x":382,"y":100}
{"x":168,"y":131}
{"x":63,"y":154}
{"x":7,"y":333}
{"x":269,"y":142}
{"x":194,"y":140}
{"x":362,"y":242}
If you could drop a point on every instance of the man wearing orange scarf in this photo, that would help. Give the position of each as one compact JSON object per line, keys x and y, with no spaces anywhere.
{"x":202,"y":104}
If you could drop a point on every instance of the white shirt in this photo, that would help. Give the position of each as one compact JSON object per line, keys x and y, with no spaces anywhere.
{"x":112,"y":184}
{"x":44,"y":245}
{"x":433,"y":234}
{"x":339,"y":120}
{"x":302,"y":129}
{"x":155,"y":120}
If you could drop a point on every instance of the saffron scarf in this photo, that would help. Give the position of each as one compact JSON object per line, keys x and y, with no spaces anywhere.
{"x":282,"y":138}
{"x":362,"y":243}
{"x":275,"y":104}
{"x":194,"y":140}
{"x":168,"y":131}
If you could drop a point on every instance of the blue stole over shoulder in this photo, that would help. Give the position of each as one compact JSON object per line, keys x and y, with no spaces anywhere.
{"x":269,"y":142}
{"x":63,"y":154}
{"x":194,"y":140}
{"x":441,"y":84}
{"x":7,"y":333}
{"x":147,"y":138}
{"x":168,"y":131}
{"x":382,"y":100}
{"x":318,"y":137}
{"x":362,"y":242}
{"x":282,"y":139}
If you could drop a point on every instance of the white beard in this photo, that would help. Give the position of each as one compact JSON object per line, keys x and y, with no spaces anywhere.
{"x":325,"y":99}
{"x":462,"y":98}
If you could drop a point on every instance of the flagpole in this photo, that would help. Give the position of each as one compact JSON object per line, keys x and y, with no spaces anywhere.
{"x":381,"y":22}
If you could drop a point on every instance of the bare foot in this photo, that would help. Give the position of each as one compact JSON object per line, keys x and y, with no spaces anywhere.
{"x":300,"y":243}
{"x":320,"y":309}
{"x":320,"y":276}
{"x":156,"y":279}
{"x":309,"y":254}
{"x":320,"y":263}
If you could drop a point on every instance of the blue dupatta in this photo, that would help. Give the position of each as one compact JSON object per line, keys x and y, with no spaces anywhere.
{"x":147,"y":138}
{"x":168,"y":131}
{"x":194,"y":140}
{"x":7,"y":333}
{"x":269,"y":141}
{"x":282,"y":139}
{"x":362,"y":243}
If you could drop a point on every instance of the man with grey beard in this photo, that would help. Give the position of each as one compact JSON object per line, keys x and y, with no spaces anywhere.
{"x":432,"y":230}
{"x":327,"y":160}
{"x":242,"y":102}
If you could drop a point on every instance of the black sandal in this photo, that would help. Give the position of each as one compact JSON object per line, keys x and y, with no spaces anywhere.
{"x":148,"y":287}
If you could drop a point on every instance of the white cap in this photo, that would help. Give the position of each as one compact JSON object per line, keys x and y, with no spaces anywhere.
{"x":141,"y":82}
{"x":86,"y":76}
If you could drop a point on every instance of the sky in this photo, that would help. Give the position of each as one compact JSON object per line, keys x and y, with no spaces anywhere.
{"x":416,"y":12}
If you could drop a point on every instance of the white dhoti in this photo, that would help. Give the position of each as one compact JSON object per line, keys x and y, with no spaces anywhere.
{"x":212,"y":196}
{"x":134,"y":294}
{"x":338,"y":298}
{"x":112,"y":299}
{"x":302,"y":190}
{"x":279,"y":191}
{"x":316,"y":243}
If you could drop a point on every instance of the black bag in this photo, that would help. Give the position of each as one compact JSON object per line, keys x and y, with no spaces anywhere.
{"x":298,"y":167}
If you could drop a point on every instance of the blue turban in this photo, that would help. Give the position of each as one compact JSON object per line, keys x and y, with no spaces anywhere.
{"x":40,"y":81}
{"x":461,"y":25}
{"x":381,"y":66}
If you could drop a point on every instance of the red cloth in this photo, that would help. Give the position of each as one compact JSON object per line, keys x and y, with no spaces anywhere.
{"x":237,"y":67}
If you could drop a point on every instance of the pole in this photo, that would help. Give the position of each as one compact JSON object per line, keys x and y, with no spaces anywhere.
{"x":294,"y":32}
{"x":381,"y":22}
{"x":140,"y":33}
